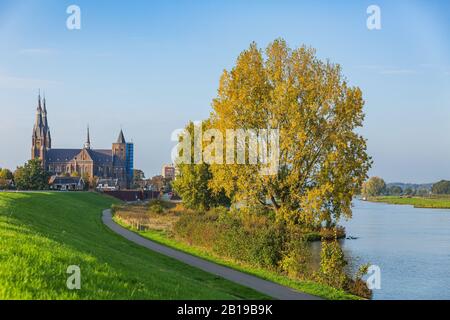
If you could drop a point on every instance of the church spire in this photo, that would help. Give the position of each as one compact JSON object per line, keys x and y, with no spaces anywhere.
{"x":39,"y":107}
{"x":121,"y":138}
{"x":87,"y":145}
{"x":44,"y":114}
{"x":41,"y":140}
{"x":44,"y":103}
{"x":38,"y":124}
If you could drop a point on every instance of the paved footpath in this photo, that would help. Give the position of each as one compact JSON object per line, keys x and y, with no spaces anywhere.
{"x":269,"y":288}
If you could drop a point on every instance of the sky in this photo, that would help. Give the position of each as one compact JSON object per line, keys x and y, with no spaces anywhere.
{"x":149,"y":67}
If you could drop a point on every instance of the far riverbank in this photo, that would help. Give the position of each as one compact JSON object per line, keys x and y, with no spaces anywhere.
{"x":431,"y":202}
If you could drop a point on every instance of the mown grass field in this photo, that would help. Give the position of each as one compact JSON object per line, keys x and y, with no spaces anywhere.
{"x":417,"y":202}
{"x":41,"y":234}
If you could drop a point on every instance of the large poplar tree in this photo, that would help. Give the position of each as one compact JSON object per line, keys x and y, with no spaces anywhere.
{"x":323,"y":159}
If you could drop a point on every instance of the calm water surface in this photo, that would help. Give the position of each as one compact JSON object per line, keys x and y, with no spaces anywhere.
{"x":411,"y":246}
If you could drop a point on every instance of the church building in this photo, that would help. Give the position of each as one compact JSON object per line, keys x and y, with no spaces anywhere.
{"x":115,"y":163}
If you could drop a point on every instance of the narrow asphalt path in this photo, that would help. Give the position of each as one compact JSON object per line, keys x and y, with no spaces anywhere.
{"x":269,"y":288}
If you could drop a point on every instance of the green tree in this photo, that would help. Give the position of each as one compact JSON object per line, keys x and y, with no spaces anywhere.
{"x":90,"y":183}
{"x":394,"y":190}
{"x":192,"y":183}
{"x":422,"y":192}
{"x":441,"y":187}
{"x":323,"y":160}
{"x":410,"y":192}
{"x":138,"y":175}
{"x":6,"y":174}
{"x":31,"y":176}
{"x":374,"y":187}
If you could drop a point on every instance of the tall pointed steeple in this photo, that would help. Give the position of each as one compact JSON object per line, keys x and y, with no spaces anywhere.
{"x":121,"y":138}
{"x":38,"y":129}
{"x":44,"y":113}
{"x":41,"y":136}
{"x":87,"y":144}
{"x":39,"y":101}
{"x":38,"y":123}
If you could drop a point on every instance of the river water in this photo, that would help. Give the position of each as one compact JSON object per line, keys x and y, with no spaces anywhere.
{"x":411,"y":246}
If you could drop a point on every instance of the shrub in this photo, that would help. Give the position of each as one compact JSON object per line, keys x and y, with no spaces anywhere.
{"x":297,"y":257}
{"x":197,"y":228}
{"x":332,"y":265}
{"x":251,"y":239}
{"x":358,"y":286}
{"x":157,"y":206}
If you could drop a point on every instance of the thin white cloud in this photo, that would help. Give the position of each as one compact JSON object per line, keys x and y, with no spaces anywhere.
{"x":13,"y":82}
{"x":37,"y":52}
{"x":398,"y":71}
{"x":385,"y":70}
{"x":369,"y":67}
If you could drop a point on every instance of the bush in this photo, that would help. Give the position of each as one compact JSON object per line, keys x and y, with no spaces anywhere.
{"x":197,"y":228}
{"x":157,"y":206}
{"x":297,"y":257}
{"x":332,"y":271}
{"x":358,"y":286}
{"x":252,"y":239}
{"x":332,"y":265}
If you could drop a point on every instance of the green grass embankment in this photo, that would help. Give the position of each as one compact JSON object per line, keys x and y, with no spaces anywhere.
{"x":42,"y":234}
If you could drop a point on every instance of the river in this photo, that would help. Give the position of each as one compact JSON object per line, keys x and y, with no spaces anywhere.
{"x":411,"y":246}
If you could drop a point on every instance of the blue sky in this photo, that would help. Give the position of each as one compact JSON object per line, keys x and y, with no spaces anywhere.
{"x":151,"y":66}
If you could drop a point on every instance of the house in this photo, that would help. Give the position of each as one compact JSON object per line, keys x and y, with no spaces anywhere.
{"x":66,"y":183}
{"x":168,"y":172}
{"x":108,"y":185}
{"x":142,"y":184}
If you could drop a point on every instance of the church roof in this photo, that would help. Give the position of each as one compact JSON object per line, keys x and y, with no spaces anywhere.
{"x":61,"y":155}
{"x":100,"y":156}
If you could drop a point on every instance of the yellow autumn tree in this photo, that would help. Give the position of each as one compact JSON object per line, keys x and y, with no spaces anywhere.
{"x":322,"y":159}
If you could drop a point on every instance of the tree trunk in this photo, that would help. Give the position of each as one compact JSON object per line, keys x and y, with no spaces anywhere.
{"x":274,"y":203}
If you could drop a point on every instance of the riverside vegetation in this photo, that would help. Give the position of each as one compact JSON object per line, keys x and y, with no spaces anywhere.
{"x":252,"y":242}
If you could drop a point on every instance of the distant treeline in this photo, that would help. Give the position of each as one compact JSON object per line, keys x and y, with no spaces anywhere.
{"x":376,"y":186}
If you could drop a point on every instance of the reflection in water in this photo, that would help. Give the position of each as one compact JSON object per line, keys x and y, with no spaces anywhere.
{"x":411,"y":246}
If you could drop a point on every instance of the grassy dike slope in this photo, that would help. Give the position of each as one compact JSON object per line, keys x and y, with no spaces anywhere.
{"x":41,"y":234}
